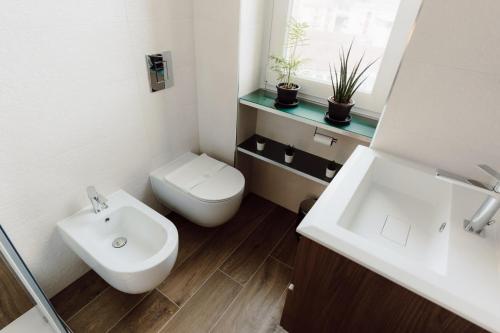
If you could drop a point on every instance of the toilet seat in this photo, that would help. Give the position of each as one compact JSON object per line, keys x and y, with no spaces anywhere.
{"x":207,"y":179}
{"x":222,"y":186}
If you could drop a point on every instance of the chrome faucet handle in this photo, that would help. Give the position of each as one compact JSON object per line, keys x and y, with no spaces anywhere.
{"x":492,"y":172}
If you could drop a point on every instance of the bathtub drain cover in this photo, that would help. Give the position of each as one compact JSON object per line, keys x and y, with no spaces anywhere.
{"x":119,"y":242}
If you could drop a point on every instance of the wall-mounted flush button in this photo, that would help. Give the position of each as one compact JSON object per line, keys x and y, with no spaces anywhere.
{"x":160,"y":71}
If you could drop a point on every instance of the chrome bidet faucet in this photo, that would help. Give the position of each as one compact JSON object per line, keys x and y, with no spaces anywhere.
{"x":486,"y":212}
{"x":99,"y":201}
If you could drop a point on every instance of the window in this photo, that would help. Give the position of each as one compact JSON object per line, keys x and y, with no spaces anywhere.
{"x":379,"y":29}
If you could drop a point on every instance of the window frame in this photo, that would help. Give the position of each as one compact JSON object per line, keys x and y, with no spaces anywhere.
{"x":367,"y":104}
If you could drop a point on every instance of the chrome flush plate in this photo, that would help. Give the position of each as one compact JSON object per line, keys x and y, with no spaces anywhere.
{"x":160,"y":70}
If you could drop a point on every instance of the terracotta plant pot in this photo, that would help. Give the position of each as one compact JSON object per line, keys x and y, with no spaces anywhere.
{"x":339,"y":111}
{"x":287,"y":96}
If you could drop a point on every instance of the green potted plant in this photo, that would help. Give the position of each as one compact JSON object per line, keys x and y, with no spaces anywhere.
{"x":345,"y":82}
{"x":286,"y":66}
{"x":289,"y":154}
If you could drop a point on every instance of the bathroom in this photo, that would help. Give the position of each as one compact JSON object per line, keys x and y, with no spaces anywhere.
{"x":155,"y":177}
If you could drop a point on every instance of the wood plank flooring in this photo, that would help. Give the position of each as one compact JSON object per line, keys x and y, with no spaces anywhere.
{"x":228,"y":279}
{"x":258,"y":307}
{"x":243,"y":263}
{"x":191,"y":237}
{"x":285,"y":251}
{"x":206,"y":306}
{"x":88,"y":287}
{"x":149,"y":316}
{"x":14,"y":299}
{"x":105,"y":310}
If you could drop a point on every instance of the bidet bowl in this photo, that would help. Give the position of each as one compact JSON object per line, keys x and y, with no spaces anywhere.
{"x":129,"y":245}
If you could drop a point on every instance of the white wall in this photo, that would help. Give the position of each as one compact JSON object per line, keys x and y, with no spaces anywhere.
{"x":283,"y":187}
{"x":301,"y":136}
{"x":271,"y":182}
{"x":444,"y":110}
{"x":254,"y":25}
{"x":75,"y":110}
{"x":216,"y":32}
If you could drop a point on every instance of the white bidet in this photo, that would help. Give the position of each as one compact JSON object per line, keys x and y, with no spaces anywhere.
{"x":131,"y":246}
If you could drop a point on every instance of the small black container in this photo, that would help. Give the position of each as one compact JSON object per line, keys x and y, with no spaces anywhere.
{"x":287,"y":96}
{"x":339,"y":111}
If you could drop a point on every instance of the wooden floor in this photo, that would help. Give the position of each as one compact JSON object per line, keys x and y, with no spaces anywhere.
{"x":14,"y":298}
{"x":229,"y":279}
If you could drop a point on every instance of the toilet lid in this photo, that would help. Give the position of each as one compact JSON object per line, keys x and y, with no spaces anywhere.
{"x":224,"y":184}
{"x":207,"y":179}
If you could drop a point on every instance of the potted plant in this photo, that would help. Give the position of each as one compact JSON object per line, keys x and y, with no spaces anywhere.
{"x":345,"y":82}
{"x":261,"y":143}
{"x":331,"y":169}
{"x":289,"y":154}
{"x":286,"y":66}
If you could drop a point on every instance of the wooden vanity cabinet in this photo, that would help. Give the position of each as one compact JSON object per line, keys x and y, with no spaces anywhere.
{"x":330,"y":293}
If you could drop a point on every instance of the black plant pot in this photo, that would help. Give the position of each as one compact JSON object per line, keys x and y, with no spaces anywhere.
{"x":338,"y":111}
{"x":287,"y":97}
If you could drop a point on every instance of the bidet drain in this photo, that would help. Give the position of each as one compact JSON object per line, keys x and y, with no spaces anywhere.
{"x":119,"y":242}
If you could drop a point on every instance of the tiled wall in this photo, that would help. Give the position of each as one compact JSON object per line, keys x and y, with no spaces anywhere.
{"x":75,"y":110}
{"x":216,"y":29}
{"x":444,"y":109}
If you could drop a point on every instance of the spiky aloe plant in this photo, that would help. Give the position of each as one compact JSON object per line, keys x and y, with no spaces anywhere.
{"x":346,"y":83}
{"x":286,"y":66}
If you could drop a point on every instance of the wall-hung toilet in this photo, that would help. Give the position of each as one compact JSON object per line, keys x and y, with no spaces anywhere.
{"x":202,"y":189}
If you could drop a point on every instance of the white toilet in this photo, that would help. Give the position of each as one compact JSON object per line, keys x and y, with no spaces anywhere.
{"x":203,"y":190}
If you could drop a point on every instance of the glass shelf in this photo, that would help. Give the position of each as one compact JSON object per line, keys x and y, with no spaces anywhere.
{"x":312,"y":114}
